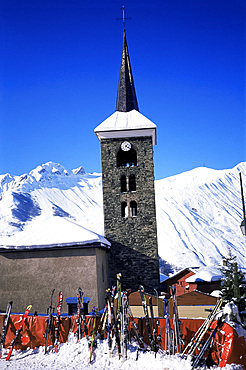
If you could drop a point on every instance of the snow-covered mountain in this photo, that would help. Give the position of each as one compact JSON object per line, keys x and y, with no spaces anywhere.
{"x":198,"y":212}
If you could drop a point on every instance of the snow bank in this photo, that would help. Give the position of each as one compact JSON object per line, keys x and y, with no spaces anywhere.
{"x":73,"y":356}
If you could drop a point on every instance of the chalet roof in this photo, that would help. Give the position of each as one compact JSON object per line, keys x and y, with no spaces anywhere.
{"x":55,"y":232}
{"x":177,"y":275}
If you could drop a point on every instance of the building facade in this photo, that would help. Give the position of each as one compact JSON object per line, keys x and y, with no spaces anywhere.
{"x":37,"y":260}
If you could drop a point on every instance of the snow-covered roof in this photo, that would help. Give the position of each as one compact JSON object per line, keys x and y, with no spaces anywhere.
{"x":176,"y":273}
{"x":53,"y":232}
{"x":206,"y":274}
{"x":126,"y":124}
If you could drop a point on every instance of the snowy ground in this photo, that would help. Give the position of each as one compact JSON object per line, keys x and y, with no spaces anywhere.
{"x":74,"y":355}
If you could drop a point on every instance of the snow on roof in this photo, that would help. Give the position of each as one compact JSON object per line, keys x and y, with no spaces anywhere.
{"x":120,"y":124}
{"x":53,"y":232}
{"x":206,"y":274}
{"x":176,"y":273}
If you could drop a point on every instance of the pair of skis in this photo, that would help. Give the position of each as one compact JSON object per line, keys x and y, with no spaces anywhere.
{"x":53,"y":323}
{"x":18,"y":332}
{"x":93,"y":336}
{"x":178,"y":341}
{"x":151,"y":333}
{"x":57,"y":323}
{"x":81,"y":316}
{"x":169,"y":332}
{"x":113,"y":321}
{"x":173,"y":341}
{"x":124,"y":325}
{"x":49,"y":323}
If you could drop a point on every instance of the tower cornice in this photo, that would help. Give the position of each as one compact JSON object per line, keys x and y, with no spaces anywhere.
{"x":126,"y":124}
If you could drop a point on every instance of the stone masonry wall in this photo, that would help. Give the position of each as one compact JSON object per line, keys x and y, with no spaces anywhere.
{"x":134,"y":250}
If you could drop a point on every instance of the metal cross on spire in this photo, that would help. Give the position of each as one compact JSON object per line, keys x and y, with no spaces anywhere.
{"x":123,"y":18}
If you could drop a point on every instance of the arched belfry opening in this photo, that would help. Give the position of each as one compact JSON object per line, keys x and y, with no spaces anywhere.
{"x":127,"y":158}
{"x":133,"y":208}
{"x":124,"y":210}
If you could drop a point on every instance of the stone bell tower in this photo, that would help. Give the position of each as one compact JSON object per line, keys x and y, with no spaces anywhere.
{"x":127,"y":139}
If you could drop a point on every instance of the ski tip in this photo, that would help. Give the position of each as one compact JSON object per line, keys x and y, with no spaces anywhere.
{"x":29,"y":307}
{"x":9,"y":354}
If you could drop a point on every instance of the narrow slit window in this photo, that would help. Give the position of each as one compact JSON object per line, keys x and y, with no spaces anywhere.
{"x":133,"y":208}
{"x":132,"y":183}
{"x":124,"y":210}
{"x":123,"y":183}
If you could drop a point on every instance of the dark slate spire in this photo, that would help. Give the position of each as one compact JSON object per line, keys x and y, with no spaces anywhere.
{"x":126,"y":94}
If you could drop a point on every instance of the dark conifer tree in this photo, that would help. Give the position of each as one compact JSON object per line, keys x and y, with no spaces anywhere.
{"x":234,"y":285}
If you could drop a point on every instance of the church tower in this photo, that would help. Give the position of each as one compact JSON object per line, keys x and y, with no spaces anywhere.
{"x":127,"y":139}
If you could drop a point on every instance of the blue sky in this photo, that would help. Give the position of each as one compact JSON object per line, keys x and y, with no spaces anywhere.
{"x":59,"y":74}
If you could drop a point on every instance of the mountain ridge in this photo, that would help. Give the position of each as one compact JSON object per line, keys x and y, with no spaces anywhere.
{"x":198,"y":211}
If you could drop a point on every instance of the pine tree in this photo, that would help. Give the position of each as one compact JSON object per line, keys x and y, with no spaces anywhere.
{"x":234,"y":285}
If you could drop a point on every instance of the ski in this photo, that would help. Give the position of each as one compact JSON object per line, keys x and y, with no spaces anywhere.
{"x":57,"y":323}
{"x":5,"y":326}
{"x":124,"y":330}
{"x":115,"y":323}
{"x":146,"y":315}
{"x":49,"y":323}
{"x":79,"y":318}
{"x":85,"y":331}
{"x":102,"y":325}
{"x":109,"y":325}
{"x":118,"y":288}
{"x":118,"y":313}
{"x":18,"y":331}
{"x":159,"y":336}
{"x":93,"y":344}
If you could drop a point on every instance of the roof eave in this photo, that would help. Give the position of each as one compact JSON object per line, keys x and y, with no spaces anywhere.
{"x":128,"y":133}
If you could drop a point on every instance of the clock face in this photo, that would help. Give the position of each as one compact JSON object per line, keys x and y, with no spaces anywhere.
{"x":126,"y":146}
